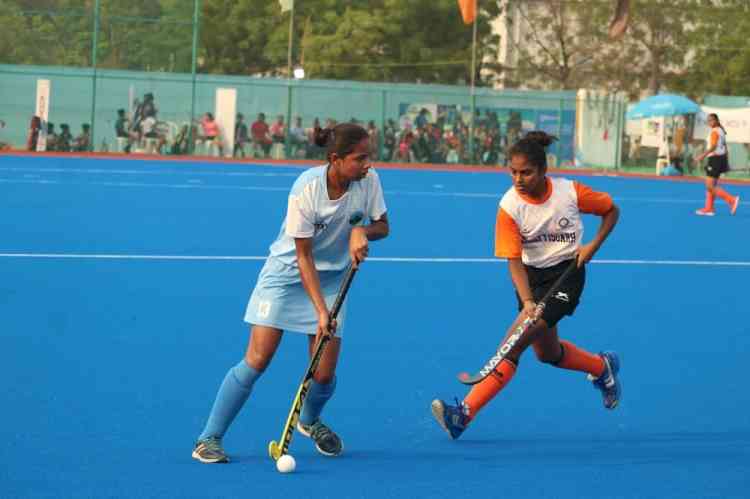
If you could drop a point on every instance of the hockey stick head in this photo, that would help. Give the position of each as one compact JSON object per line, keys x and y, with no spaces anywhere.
{"x":274,"y":450}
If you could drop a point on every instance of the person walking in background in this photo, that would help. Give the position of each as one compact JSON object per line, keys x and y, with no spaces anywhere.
{"x":333,"y":212}
{"x":718,"y":163}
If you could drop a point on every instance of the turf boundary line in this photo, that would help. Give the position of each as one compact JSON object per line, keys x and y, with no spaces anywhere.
{"x":300,"y":163}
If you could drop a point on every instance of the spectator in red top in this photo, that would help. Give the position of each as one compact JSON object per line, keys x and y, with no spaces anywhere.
{"x":278,"y":130}
{"x":261,"y":135}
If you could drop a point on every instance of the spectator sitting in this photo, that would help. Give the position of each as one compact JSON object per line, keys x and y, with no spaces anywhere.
{"x":278,"y":130}
{"x":297,"y":137}
{"x":51,"y":137}
{"x":64,"y":138}
{"x":261,"y":137}
{"x":240,"y":136}
{"x":83,"y":141}
{"x":404,"y":146}
{"x":180,"y":144}
{"x":389,"y":140}
{"x":150,"y":131}
{"x":121,"y":131}
{"x":33,"y":136}
{"x":373,"y":138}
{"x":313,"y":150}
{"x":421,"y":120}
{"x":3,"y":145}
{"x":211,"y":132}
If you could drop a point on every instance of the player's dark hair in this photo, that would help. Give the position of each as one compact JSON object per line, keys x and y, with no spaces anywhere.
{"x":533,"y":145}
{"x":716,"y":117}
{"x":341,"y":139}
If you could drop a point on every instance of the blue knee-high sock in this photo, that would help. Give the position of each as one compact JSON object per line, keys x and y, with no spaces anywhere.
{"x":234,"y":391}
{"x":316,"y":400}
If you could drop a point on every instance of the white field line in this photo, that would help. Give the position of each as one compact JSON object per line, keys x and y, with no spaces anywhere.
{"x":198,"y":185}
{"x":116,"y":256}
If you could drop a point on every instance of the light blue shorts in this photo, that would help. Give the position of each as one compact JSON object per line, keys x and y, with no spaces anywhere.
{"x":280,"y":301}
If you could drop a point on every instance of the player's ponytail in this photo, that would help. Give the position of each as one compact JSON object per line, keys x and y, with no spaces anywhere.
{"x":340,"y":140}
{"x":533,"y":146}
{"x":716,"y":117}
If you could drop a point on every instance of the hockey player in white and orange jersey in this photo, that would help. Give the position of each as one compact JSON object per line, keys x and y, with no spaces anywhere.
{"x":539,"y":230}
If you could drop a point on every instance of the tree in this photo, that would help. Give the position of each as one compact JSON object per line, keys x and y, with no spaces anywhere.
{"x":720,"y":58}
{"x":558,"y":42}
{"x":369,"y":40}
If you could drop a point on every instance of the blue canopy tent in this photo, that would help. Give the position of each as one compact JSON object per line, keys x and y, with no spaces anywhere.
{"x":662,"y":105}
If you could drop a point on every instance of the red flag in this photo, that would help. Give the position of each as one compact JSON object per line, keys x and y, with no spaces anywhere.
{"x":468,"y":10}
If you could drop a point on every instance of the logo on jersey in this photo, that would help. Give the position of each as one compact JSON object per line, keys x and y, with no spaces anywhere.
{"x":356,"y":217}
{"x":563,"y":223}
{"x":562,"y":296}
{"x":320,"y":227}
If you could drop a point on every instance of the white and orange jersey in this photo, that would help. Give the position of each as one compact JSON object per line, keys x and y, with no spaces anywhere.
{"x":718,"y":138}
{"x":546,"y":232}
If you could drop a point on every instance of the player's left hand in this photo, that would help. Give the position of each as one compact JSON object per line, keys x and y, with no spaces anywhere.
{"x":359,"y":246}
{"x":585,"y":254}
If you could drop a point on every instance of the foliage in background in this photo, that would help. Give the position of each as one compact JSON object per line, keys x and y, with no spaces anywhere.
{"x":690,"y":46}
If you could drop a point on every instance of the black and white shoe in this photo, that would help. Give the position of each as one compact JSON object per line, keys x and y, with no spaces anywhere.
{"x":326,"y":441}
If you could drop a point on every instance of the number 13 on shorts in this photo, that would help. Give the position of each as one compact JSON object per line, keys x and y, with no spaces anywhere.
{"x":264,"y":308}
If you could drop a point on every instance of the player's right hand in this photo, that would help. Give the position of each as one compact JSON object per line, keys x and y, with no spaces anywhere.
{"x":325,"y":325}
{"x":529,"y":308}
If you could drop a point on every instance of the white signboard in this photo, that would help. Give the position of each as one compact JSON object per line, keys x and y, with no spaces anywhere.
{"x":225,"y":115}
{"x":42,"y":110}
{"x":736,"y":121}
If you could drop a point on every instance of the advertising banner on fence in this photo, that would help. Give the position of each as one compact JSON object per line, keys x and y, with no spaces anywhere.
{"x":736,"y":121}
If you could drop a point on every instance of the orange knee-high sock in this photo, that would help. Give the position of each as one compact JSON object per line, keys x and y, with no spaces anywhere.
{"x":485,"y":390}
{"x":577,"y":359}
{"x":724,"y":195}
{"x":709,"y":201}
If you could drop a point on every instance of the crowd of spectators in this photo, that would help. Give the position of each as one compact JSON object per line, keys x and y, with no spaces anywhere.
{"x":416,"y":140}
{"x":62,"y":141}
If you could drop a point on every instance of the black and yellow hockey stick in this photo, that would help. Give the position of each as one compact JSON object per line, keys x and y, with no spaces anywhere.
{"x":278,"y":449}
{"x":518,"y":332}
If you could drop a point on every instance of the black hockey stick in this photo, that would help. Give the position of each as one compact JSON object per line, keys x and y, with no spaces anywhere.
{"x":518,"y":333}
{"x":278,"y":449}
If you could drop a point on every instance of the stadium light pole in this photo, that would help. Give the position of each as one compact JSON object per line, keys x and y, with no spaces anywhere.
{"x":289,"y":78}
{"x":473,"y":93}
{"x":196,"y":20}
{"x":94,"y":43}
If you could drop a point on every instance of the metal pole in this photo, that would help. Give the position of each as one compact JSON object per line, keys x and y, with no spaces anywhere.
{"x":94,"y":43}
{"x":196,"y":23}
{"x":381,"y":141}
{"x":287,"y":138}
{"x":473,"y":95}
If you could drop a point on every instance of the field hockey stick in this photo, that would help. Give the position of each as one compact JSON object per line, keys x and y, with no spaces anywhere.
{"x":518,"y":333}
{"x":276,"y":449}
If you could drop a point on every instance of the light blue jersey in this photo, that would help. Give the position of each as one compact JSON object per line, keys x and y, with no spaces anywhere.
{"x":279,"y":300}
{"x":311,"y":213}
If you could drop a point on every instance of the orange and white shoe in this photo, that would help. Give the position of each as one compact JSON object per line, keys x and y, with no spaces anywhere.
{"x":704,"y":212}
{"x":735,"y":205}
